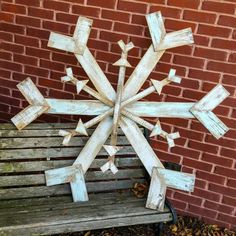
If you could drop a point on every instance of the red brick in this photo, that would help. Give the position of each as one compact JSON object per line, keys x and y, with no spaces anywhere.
{"x":54,"y":26}
{"x":178,"y":204}
{"x":7,"y":17}
{"x":140,"y":41}
{"x":66,"y":18}
{"x":112,"y":37}
{"x":229,"y":201}
{"x":12,"y":47}
{"x":4,"y":74}
{"x":22,"y":76}
{"x":132,"y":7}
{"x":227,"y":218}
{"x":49,"y":83}
{"x":5,"y":55}
{"x":12,"y":28}
{"x":232,"y":57}
{"x":188,"y":61}
{"x":199,"y":165}
{"x":184,"y":50}
{"x":41,"y":13}
{"x":102,"y":24}
{"x":24,"y":20}
{"x":26,"y":60}
{"x":6,"y":36}
{"x":38,"y":52}
{"x":227,"y":21}
{"x":224,"y":44}
{"x":102,"y":3}
{"x":4,"y":91}
{"x":184,"y":3}
{"x":232,"y":183}
{"x":203,"y":147}
{"x":36,"y":71}
{"x":198,"y":16}
{"x":116,"y":15}
{"x":85,"y":10}
{"x":188,"y":198}
{"x":229,"y":79}
{"x":201,"y":40}
{"x":219,"y":207}
{"x":38,"y":33}
{"x":127,"y":28}
{"x":210,"y":177}
{"x":231,"y":173}
{"x":8,"y":83}
{"x":210,"y":53}
{"x":20,"y":39}
{"x":202,"y":211}
{"x":221,"y":67}
{"x":217,"y":160}
{"x":17,"y":9}
{"x":167,"y":11}
{"x":218,"y":7}
{"x":4,"y":108}
{"x":11,"y":65}
{"x":56,"y":5}
{"x":65,"y":58}
{"x":189,"y":83}
{"x":207,"y":194}
{"x":178,"y":25}
{"x":35,"y":3}
{"x":230,"y":143}
{"x":213,"y":31}
{"x":10,"y":100}
{"x":59,"y":94}
{"x":204,"y":75}
{"x":52,"y":65}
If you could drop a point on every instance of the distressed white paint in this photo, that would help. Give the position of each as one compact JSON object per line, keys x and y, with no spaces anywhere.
{"x":157,"y":191}
{"x":38,"y":104}
{"x":156,"y":28}
{"x":202,"y":111}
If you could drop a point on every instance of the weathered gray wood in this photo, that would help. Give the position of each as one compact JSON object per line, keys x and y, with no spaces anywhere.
{"x":99,"y":224}
{"x":55,"y":152}
{"x":36,"y":179}
{"x":41,"y":191}
{"x":46,"y":142}
{"x":32,"y":166}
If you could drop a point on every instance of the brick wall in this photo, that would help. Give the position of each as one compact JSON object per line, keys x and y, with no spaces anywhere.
{"x":26,"y":25}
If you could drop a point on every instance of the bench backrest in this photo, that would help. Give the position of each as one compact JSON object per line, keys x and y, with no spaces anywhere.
{"x":26,"y":154}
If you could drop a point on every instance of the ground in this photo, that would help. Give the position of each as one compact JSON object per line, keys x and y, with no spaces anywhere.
{"x":186,"y":226}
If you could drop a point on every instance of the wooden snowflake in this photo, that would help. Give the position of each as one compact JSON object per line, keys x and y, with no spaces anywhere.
{"x":121,"y":109}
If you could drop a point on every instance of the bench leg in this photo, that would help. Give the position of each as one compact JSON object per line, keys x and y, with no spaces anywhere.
{"x":158,"y":227}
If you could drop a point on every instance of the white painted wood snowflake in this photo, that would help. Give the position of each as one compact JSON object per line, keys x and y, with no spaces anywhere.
{"x":121,"y":109}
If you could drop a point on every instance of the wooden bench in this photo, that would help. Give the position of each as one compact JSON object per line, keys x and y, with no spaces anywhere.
{"x":29,"y":207}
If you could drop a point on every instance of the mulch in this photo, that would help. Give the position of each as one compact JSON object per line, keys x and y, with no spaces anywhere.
{"x":185,"y":226}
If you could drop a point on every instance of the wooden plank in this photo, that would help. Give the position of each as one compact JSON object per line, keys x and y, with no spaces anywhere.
{"x":41,"y":191}
{"x":76,"y":107}
{"x":47,"y":142}
{"x":156,"y":28}
{"x":143,"y":150}
{"x":78,"y":186}
{"x":55,"y":152}
{"x":157,"y":192}
{"x":38,"y":105}
{"x":81,"y":34}
{"x":161,"y":109}
{"x":202,"y":111}
{"x":39,"y":179}
{"x":89,"y":225}
{"x":31,"y":166}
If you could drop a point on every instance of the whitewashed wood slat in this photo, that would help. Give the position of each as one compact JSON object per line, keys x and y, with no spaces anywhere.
{"x":81,"y":34}
{"x":38,"y":105}
{"x":76,"y":107}
{"x":173,"y":179}
{"x":87,"y":61}
{"x":36,"y":166}
{"x":161,"y":109}
{"x":202,"y":111}
{"x":157,"y":191}
{"x":156,"y":28}
{"x":78,"y":186}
